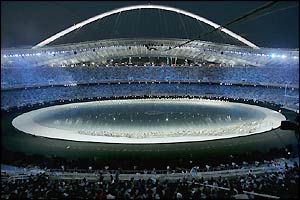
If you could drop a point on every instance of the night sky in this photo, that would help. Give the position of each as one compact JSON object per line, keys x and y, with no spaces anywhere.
{"x":28,"y":23}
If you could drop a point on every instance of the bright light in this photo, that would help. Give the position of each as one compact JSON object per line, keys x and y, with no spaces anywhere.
{"x":273,"y":55}
{"x":136,"y":7}
{"x":283,"y":56}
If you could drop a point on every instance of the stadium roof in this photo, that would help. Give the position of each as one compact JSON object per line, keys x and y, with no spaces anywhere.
{"x":276,"y":27}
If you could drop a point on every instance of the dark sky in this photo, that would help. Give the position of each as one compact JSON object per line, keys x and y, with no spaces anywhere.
{"x":28,"y":23}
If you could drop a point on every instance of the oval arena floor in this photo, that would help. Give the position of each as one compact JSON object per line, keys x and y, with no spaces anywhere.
{"x":148,"y":121}
{"x":13,"y":139}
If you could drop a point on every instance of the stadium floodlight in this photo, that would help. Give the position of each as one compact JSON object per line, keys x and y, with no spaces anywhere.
{"x":273,"y":55}
{"x":283,"y":56}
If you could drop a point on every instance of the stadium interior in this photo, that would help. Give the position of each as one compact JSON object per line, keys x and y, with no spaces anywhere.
{"x":117,"y":56}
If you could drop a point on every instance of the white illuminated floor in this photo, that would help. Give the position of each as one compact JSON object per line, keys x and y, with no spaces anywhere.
{"x":148,"y":121}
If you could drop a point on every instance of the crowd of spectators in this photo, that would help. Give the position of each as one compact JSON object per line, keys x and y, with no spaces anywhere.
{"x":34,"y":76}
{"x":21,"y":97}
{"x":29,"y":76}
{"x":42,"y":186}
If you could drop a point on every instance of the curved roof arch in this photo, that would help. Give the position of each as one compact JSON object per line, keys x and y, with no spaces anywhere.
{"x":135,"y":7}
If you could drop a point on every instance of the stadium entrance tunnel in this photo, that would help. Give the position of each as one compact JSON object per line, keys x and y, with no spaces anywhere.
{"x":148,"y":121}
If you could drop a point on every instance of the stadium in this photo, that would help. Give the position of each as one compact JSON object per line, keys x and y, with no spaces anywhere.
{"x":115,"y":98}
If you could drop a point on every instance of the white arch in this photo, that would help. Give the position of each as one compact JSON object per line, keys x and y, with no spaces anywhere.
{"x":97,"y":17}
